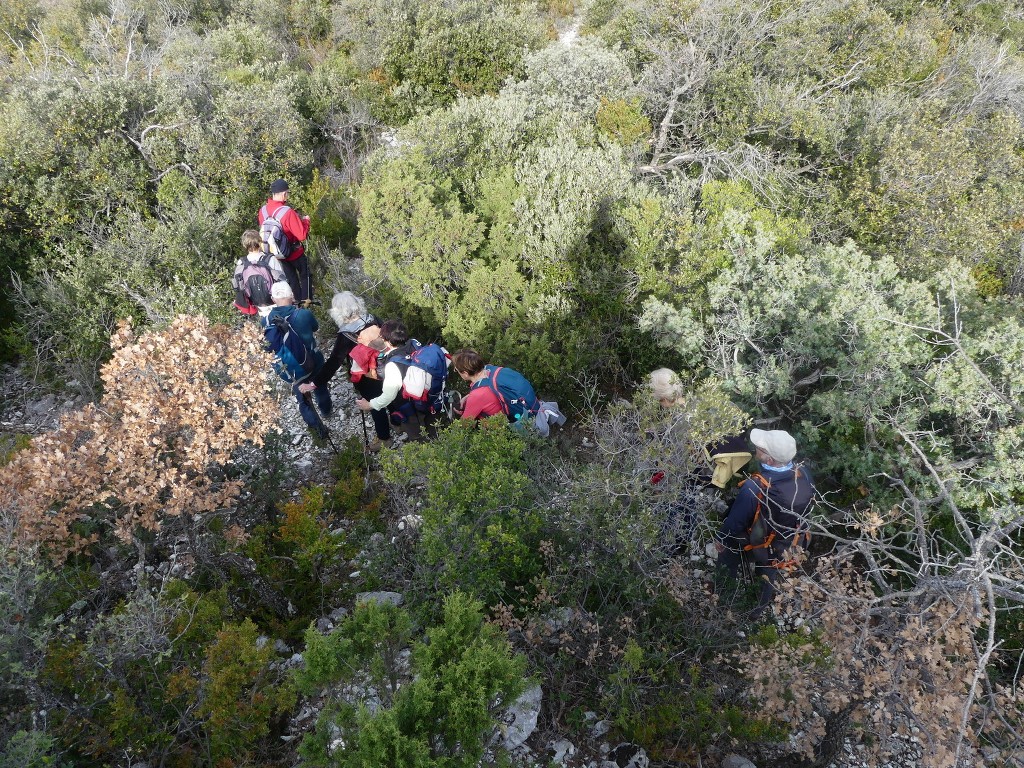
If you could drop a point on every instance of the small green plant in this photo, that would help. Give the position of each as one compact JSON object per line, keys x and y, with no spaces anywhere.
{"x":480,"y":532}
{"x":461,"y":673}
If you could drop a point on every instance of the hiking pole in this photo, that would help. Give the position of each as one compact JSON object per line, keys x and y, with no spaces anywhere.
{"x":366,"y":452}
{"x":327,"y":433}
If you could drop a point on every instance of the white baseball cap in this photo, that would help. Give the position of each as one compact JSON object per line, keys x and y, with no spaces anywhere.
{"x":776,"y":443}
{"x":281,"y":290}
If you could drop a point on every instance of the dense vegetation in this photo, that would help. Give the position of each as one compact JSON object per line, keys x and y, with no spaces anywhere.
{"x":812,"y":209}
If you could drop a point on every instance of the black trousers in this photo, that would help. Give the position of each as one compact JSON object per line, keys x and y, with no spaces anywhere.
{"x":368,"y":389}
{"x":297,"y":274}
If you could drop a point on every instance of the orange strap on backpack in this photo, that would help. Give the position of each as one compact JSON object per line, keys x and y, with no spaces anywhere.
{"x":763,"y":484}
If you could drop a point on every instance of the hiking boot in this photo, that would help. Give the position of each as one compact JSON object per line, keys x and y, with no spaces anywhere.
{"x":377,"y":444}
{"x":306,"y":303}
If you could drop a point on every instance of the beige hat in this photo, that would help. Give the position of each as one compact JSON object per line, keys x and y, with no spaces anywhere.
{"x":776,"y":443}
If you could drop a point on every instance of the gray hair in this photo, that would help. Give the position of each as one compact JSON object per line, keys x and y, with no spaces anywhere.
{"x":346,"y":307}
{"x":665,"y":385}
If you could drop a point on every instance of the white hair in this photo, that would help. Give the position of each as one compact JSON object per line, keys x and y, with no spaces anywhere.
{"x":665,"y":385}
{"x":346,"y":307}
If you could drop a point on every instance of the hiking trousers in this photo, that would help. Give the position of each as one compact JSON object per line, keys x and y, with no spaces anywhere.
{"x":298,"y":277}
{"x":309,"y":414}
{"x":368,"y":389}
{"x":764,"y":569}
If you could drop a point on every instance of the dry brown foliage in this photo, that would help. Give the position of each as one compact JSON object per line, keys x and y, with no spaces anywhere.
{"x":177,"y":403}
{"x":904,"y":664}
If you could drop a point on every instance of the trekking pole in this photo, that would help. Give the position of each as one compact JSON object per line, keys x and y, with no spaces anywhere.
{"x":366,"y":452}
{"x":327,"y":434}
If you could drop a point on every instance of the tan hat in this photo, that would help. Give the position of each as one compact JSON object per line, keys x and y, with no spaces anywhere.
{"x":776,"y":443}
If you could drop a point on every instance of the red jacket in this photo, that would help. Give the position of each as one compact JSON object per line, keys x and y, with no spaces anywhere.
{"x":295,"y":226}
{"x":480,"y":403}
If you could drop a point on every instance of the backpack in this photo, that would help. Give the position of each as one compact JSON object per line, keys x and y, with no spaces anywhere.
{"x":775,"y":517}
{"x":425,"y":372}
{"x":295,"y":362}
{"x":275,"y":239}
{"x":514,"y":392}
{"x":255,"y":282}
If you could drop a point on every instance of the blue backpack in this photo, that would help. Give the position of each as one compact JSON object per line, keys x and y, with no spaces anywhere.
{"x":514,"y":392}
{"x":424,"y":375}
{"x":295,"y":361}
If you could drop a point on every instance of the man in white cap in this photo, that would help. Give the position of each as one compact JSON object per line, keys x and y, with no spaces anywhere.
{"x":768,"y":516}
{"x":290,"y":332}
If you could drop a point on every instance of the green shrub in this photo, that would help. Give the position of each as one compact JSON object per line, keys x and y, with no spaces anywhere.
{"x":462,"y":672}
{"x":238,"y":694}
{"x":479,"y":530}
{"x":30,"y":749}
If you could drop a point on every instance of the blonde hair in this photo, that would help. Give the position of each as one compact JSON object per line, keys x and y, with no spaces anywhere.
{"x":251,"y":241}
{"x":665,"y":385}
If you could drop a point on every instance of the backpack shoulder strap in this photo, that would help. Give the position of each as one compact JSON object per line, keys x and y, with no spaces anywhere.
{"x":491,"y":382}
{"x":762,"y":483}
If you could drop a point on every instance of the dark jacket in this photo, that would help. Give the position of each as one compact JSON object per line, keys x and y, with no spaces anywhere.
{"x":783,"y":505}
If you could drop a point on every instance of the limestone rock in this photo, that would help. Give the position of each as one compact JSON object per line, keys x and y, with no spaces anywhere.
{"x":735,"y":761}
{"x":384,"y":598}
{"x":519,"y":721}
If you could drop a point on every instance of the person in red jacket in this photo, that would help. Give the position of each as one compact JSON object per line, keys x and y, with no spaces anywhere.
{"x":295,"y":264}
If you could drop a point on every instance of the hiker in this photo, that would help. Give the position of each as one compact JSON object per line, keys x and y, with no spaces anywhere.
{"x":290,"y":335}
{"x":357,"y":330}
{"x":725,"y":457}
{"x":695,"y":494}
{"x":485,"y":397}
{"x":666,"y":387}
{"x":255,"y":274}
{"x":494,"y":389}
{"x":283,"y":233}
{"x":413,"y":384}
{"x":396,"y":344}
{"x":768,"y":516}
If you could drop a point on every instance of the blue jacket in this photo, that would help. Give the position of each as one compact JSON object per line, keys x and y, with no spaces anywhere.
{"x":789,"y":497}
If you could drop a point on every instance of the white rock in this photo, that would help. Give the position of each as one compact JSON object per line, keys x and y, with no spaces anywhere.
{"x":563,"y":749}
{"x":389,"y":598}
{"x":600,"y":728}
{"x":519,"y":720}
{"x":736,"y":761}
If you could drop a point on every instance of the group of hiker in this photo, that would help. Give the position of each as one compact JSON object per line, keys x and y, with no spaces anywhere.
{"x":767,"y":522}
{"x":401,"y":384}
